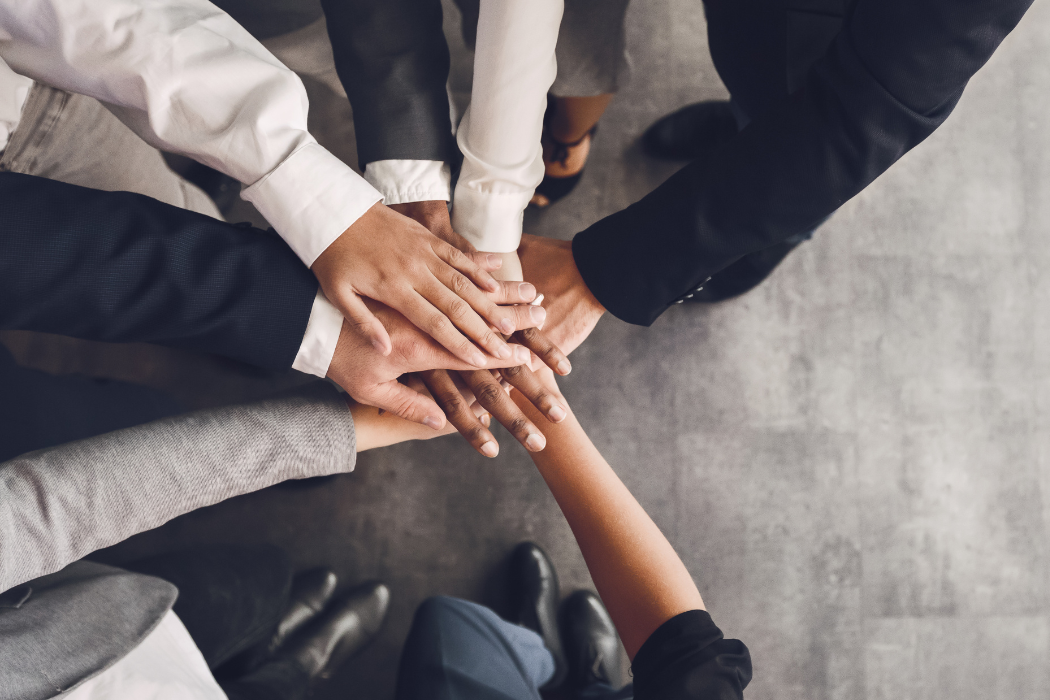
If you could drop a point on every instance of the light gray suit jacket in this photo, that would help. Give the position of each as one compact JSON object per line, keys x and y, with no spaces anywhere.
{"x":59,"y":504}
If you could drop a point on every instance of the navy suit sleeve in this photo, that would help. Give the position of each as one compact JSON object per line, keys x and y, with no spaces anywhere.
{"x":120,"y":267}
{"x":393,"y":61}
{"x":893,"y":74}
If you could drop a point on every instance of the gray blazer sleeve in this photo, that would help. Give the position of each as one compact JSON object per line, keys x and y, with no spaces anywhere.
{"x":59,"y":504}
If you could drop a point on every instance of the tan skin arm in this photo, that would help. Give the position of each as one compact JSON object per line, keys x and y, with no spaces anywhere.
{"x":640,"y":578}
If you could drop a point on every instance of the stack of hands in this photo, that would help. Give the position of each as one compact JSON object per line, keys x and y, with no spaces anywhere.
{"x":432,"y":337}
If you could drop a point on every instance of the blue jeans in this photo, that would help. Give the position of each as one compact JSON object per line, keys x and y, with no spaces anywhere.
{"x":463,"y":651}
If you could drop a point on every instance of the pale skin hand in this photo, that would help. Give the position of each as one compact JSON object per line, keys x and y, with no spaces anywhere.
{"x":445,"y":387}
{"x":376,"y":428}
{"x":572,"y":311}
{"x":639,"y":577}
{"x":371,"y":377}
{"x":395,"y":260}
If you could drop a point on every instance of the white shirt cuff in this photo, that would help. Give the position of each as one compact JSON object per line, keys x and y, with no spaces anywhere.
{"x":310,"y":199}
{"x":322,"y":335}
{"x":404,"y":181}
{"x":491,"y":221}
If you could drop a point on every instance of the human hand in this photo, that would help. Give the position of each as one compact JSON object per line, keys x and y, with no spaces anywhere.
{"x":572,"y":311}
{"x":395,"y":260}
{"x":435,"y":217}
{"x":489,"y":387}
{"x":370,"y":377}
{"x":374,"y":427}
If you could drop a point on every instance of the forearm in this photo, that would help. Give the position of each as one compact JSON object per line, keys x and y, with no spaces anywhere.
{"x":393,"y":61}
{"x":120,"y":267}
{"x":640,"y":578}
{"x":188,"y":79}
{"x":60,"y":504}
{"x":514,"y":67}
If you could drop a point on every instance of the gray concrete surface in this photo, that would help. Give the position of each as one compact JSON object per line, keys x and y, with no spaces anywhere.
{"x":852,"y":460}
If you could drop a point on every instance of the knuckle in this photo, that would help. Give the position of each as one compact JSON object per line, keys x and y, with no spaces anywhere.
{"x":489,"y":394}
{"x":460,"y":285}
{"x":458,"y":310}
{"x":516,"y":372}
{"x":519,"y":425}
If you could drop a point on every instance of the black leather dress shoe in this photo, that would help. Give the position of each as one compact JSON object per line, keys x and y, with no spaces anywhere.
{"x":534,"y":602}
{"x":692,"y":132}
{"x":743,"y":275}
{"x":342,"y":630}
{"x":591,"y":642}
{"x":311,"y":591}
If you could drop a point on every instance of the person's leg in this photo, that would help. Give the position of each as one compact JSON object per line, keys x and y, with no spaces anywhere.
{"x":74,"y":139}
{"x":231,"y":597}
{"x":462,"y":650}
{"x":282,"y":680}
{"x":592,"y":66}
{"x":39,"y":410}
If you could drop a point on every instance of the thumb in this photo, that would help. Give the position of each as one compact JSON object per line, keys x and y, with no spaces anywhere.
{"x":407,"y":403}
{"x":365,"y":322}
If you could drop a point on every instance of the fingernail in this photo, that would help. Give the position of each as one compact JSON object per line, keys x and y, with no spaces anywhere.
{"x":564,"y":367}
{"x":486,"y":420}
{"x":557,"y":413}
{"x":495,"y":262}
{"x":535,"y":442}
{"x":489,"y":449}
{"x":538,"y":314}
{"x":521,"y":354}
{"x":432,"y":422}
{"x":504,"y":352}
{"x":478,"y":360}
{"x":507,"y":326}
{"x":527,"y":291}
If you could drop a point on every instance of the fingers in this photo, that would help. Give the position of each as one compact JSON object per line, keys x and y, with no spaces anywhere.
{"x":527,"y":316}
{"x":406,"y":403}
{"x":440,"y":324}
{"x":459,"y":412}
{"x":494,"y":399}
{"x":365,"y":322}
{"x":466,"y":264}
{"x":490,"y":262}
{"x":514,"y":293}
{"x":462,"y":303}
{"x":546,"y":402}
{"x":545,"y":349}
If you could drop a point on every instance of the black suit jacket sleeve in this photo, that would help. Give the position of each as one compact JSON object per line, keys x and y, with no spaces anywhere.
{"x":120,"y":267}
{"x":892,"y":76}
{"x":393,"y":61}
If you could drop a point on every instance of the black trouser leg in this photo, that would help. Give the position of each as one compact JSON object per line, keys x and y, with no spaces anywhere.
{"x":230,"y":597}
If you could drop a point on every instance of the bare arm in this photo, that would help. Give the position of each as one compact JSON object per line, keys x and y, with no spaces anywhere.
{"x":640,"y":578}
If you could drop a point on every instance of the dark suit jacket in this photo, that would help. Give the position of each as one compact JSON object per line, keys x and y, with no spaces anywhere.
{"x":393,"y":61}
{"x":837,"y":90}
{"x":121,"y":267}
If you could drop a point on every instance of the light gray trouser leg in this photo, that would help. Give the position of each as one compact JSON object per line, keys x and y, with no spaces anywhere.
{"x":74,"y":139}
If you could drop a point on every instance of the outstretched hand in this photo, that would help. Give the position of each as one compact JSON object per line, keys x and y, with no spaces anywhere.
{"x":572,"y":310}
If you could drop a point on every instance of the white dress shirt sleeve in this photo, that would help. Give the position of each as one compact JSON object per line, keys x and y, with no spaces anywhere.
{"x":514,"y":67}
{"x":322,"y":335}
{"x":188,"y":79}
{"x":404,"y":181}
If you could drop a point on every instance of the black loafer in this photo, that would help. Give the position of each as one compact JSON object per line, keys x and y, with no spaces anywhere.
{"x":345,"y":627}
{"x":692,"y":132}
{"x":743,"y":275}
{"x":311,"y":592}
{"x":591,"y":642}
{"x":534,"y":602}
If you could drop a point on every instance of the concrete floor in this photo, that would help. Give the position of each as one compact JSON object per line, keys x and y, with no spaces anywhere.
{"x":852,"y":460}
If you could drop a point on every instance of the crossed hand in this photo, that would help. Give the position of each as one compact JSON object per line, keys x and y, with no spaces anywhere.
{"x":426,"y":326}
